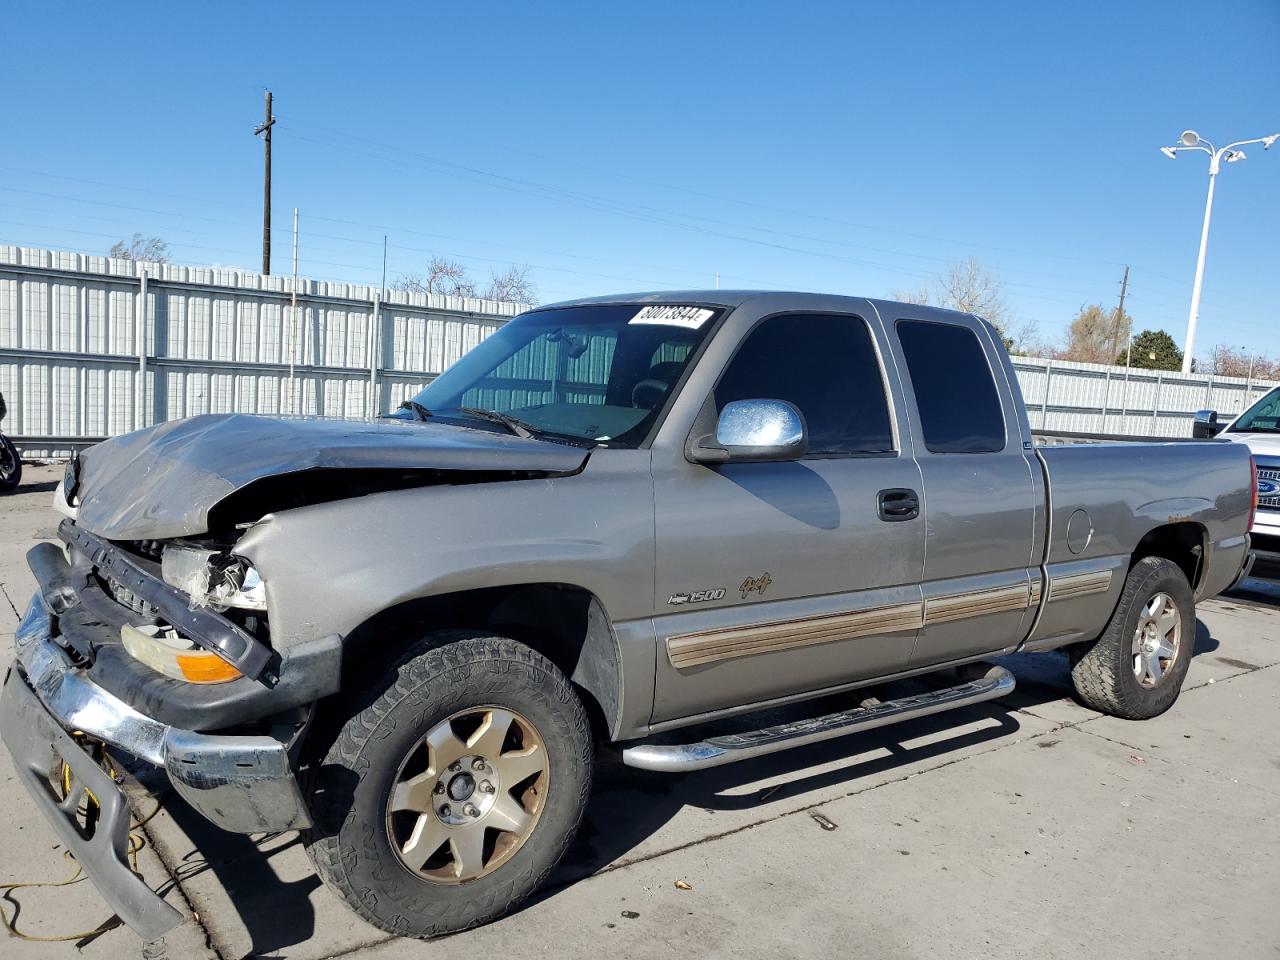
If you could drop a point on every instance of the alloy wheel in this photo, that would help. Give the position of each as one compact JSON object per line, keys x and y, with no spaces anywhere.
{"x":468,"y":795}
{"x":1156,"y":640}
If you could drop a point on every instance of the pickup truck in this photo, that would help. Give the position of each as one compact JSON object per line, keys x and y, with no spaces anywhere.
{"x":1257,"y":428}
{"x":612,"y":519}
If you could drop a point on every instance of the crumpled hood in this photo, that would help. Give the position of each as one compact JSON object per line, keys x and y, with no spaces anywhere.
{"x":162,"y":482}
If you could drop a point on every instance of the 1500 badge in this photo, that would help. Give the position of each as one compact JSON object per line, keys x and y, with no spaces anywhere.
{"x":698,"y":596}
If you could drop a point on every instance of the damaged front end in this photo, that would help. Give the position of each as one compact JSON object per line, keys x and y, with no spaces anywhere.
{"x":151,"y":632}
{"x":170,"y":663}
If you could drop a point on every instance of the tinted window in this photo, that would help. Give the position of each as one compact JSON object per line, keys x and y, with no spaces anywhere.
{"x":827,"y":367}
{"x":1262,"y":417}
{"x":959,"y":406}
{"x":594,"y":373}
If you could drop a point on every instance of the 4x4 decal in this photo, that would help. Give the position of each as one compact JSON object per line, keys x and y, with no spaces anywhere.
{"x":755,"y":585}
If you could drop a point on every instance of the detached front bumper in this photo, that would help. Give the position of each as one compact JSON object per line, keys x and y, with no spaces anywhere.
{"x":242,"y":783}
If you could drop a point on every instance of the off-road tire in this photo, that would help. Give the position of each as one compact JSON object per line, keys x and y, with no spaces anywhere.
{"x":1102,"y":670}
{"x":353,"y":756}
{"x":10,"y":465}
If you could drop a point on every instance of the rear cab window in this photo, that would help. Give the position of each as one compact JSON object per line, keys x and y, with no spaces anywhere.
{"x":954,"y":387}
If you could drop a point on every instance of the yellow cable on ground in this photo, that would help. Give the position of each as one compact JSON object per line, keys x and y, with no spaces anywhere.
{"x":136,"y":842}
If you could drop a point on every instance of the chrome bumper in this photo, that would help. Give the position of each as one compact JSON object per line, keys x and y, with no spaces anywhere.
{"x":244,"y":784}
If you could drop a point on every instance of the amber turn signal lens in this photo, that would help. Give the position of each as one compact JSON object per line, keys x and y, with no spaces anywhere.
{"x":164,"y":651}
{"x":206,"y":668}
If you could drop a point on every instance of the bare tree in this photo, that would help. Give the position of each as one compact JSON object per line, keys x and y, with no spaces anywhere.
{"x":969,"y":287}
{"x":443,"y":276}
{"x":149,"y":249}
{"x":1233,"y":362}
{"x":919,"y":295}
{"x":1097,"y":335}
{"x":449,"y":277}
{"x":513,"y":285}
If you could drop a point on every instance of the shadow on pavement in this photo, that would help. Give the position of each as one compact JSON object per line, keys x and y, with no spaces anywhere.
{"x":44,"y":486}
{"x":1255,"y":591}
{"x":275,"y":913}
{"x":630,"y":806}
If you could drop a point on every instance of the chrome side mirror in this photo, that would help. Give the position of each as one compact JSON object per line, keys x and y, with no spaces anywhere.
{"x":754,"y":431}
{"x":1205,"y":425}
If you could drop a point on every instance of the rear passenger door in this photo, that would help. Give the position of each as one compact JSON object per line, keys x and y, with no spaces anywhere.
{"x":981,"y":497}
{"x":777,"y":579}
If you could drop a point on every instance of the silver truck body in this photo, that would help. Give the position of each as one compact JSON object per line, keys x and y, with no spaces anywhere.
{"x":697,"y":590}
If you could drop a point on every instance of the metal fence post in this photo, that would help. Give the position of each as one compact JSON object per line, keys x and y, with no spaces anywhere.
{"x":1044,"y":404}
{"x":140,"y":392}
{"x":375,"y":349}
{"x":1106,"y":398}
{"x":1155,"y":407}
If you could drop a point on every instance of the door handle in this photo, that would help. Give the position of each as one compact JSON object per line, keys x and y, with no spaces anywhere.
{"x":898,"y":503}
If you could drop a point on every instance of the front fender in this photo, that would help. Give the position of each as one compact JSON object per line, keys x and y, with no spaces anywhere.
{"x":330,"y":567}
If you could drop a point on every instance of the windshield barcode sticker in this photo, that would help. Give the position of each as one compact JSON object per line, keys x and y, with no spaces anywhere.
{"x":674,"y":316}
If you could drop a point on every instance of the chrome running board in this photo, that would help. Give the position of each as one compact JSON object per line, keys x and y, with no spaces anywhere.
{"x":715,"y":751}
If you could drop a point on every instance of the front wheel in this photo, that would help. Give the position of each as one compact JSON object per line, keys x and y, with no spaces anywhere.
{"x":453,"y":787}
{"x":10,"y":465}
{"x":1136,"y":668}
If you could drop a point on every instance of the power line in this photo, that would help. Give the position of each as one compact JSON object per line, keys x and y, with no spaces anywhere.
{"x":729,"y":199}
{"x":125,"y":187}
{"x":208,"y":200}
{"x":119,"y":206}
{"x":591,"y":205}
{"x":599,"y":204}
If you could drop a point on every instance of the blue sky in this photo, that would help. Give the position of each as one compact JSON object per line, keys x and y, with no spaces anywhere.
{"x":846,"y":147}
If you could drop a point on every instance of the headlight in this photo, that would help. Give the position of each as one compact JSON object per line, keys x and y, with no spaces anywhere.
{"x":213,"y":579}
{"x":166,"y":652}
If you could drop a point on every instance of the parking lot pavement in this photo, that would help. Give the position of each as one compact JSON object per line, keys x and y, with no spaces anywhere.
{"x":1029,"y":827}
{"x":29,"y":850}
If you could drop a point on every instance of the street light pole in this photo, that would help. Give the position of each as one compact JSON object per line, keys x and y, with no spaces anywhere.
{"x":1190,"y":140}
{"x":1194,"y":314}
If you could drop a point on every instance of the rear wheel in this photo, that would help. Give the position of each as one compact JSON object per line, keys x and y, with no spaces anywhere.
{"x":10,"y":465}
{"x":1136,"y":668}
{"x":452,"y":786}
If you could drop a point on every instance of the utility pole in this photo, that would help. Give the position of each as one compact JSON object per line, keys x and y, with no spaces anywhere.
{"x":1128,"y":354}
{"x":1124,"y":288}
{"x":293,"y":308}
{"x":264,"y":128}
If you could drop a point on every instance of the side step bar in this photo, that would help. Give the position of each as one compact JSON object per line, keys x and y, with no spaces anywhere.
{"x":716,"y":751}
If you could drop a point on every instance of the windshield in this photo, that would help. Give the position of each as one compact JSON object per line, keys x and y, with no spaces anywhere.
{"x":1262,"y":417}
{"x":598,"y":374}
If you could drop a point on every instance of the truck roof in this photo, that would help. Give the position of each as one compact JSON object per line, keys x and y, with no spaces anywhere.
{"x":733,"y":298}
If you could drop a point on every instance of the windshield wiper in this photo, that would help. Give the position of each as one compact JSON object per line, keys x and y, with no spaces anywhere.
{"x":419,"y":411}
{"x":525,"y":431}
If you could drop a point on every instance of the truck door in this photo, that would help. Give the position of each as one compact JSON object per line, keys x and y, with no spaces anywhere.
{"x":981,"y":497}
{"x":774,"y":579}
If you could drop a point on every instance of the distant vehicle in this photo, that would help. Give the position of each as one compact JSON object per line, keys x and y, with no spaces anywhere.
{"x":1258,"y":428}
{"x":612,"y":519}
{"x":10,"y":461}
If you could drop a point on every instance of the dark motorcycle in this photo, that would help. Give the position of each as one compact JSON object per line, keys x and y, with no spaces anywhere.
{"x":10,"y":462}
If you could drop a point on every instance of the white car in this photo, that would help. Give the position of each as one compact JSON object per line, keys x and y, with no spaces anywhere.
{"x":1259,"y":429}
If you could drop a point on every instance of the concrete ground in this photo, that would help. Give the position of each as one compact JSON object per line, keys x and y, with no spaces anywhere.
{"x":1030,"y":827}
